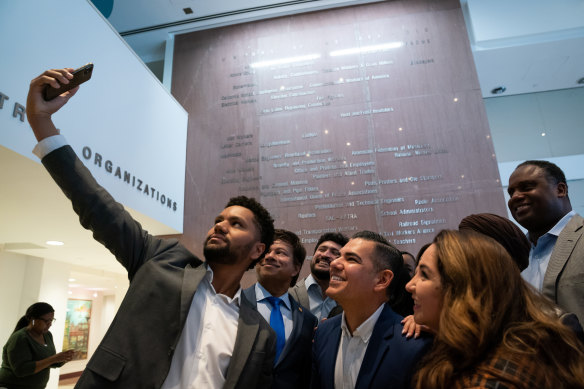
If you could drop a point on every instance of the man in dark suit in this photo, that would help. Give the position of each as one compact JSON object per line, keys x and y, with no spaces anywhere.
{"x":363,"y":348}
{"x":310,"y":291}
{"x":539,"y":201}
{"x":183,"y":322}
{"x":276,"y":272}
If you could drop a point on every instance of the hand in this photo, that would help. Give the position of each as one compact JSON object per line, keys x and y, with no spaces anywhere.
{"x":411,"y":328}
{"x":64,"y":356}
{"x":39,"y":111}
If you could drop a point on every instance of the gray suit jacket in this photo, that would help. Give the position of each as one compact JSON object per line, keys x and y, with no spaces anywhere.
{"x":293,"y":368}
{"x":563,"y":282}
{"x":137,"y":349}
{"x":300,"y":293}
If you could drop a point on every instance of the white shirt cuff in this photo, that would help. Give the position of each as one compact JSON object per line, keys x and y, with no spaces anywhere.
{"x":49,"y":144}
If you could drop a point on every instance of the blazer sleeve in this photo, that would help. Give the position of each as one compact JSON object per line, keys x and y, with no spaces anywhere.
{"x":110,"y":223}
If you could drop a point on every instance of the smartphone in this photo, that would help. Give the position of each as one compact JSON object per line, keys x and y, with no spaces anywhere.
{"x":79,"y":76}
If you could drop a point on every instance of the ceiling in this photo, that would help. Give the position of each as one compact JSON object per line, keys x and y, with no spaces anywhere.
{"x":524,"y":45}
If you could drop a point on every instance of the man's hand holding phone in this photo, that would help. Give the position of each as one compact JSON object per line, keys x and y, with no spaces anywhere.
{"x":39,"y":110}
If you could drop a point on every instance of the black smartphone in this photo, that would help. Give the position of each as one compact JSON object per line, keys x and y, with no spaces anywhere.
{"x":79,"y":76}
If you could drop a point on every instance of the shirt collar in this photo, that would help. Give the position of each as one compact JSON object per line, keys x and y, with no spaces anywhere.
{"x":557,"y":229}
{"x":262,"y":294}
{"x":310,"y":281}
{"x":209,"y":278}
{"x":365,"y":330}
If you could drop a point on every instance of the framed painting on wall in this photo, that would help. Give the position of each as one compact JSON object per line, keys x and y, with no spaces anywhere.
{"x":77,"y":327}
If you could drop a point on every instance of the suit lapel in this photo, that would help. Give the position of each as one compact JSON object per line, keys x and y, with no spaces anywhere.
{"x":250,"y":295}
{"x":297,"y":319}
{"x":563,"y":248}
{"x":377,"y":348}
{"x":247,"y":330}
{"x":331,"y":344}
{"x":191,"y":279}
{"x":302,"y":294}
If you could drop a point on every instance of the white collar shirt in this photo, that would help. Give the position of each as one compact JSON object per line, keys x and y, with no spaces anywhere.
{"x":319,"y":307}
{"x":352,"y":350}
{"x":207,"y":341}
{"x":540,"y":254}
{"x":265,"y":308}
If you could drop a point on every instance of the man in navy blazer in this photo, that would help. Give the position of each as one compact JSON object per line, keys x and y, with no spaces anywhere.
{"x":363,"y":348}
{"x":276,"y":272}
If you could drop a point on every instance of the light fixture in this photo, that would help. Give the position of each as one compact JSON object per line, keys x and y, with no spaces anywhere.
{"x":54,"y":243}
{"x":367,"y":49}
{"x":282,"y":61}
{"x":580,"y":81}
{"x":72,"y":280}
{"x":543,"y":134}
{"x":498,"y":90}
{"x":188,"y":10}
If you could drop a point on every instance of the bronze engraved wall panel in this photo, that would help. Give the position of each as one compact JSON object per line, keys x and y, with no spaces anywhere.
{"x":368,"y":117}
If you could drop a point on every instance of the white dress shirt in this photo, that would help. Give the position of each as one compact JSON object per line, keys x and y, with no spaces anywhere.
{"x":207,"y":341}
{"x":540,"y":254}
{"x":352,"y":350}
{"x":265,"y":308}
{"x":319,"y":307}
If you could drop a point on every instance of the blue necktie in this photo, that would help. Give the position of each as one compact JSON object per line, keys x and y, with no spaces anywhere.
{"x":277,"y":323}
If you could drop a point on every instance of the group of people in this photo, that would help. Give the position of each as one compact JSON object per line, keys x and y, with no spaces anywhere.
{"x":186,"y":323}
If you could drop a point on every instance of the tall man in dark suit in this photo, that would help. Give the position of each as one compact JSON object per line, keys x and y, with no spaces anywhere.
{"x":363,"y":348}
{"x":276,"y":272}
{"x":310,"y":291}
{"x":539,"y":202}
{"x":183,"y":323}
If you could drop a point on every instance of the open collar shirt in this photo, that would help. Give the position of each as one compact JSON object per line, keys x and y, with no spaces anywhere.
{"x":207,"y":341}
{"x":352,"y":350}
{"x":319,"y":307}
{"x":540,"y":254}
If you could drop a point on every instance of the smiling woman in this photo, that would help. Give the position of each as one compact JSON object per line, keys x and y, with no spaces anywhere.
{"x":490,"y":326}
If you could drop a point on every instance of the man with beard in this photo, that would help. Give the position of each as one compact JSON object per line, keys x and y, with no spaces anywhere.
{"x":310,"y":291}
{"x":183,"y":323}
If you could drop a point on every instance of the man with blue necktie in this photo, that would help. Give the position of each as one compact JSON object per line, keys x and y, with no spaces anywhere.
{"x":293,"y":324}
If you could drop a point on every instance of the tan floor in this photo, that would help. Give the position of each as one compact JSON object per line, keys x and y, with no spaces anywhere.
{"x":68,"y":383}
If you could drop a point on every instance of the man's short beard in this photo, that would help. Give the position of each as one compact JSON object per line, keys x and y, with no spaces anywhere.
{"x":218,"y":254}
{"x":322,"y":275}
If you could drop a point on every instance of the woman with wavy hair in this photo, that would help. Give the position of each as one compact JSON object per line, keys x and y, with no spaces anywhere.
{"x":490,"y":329}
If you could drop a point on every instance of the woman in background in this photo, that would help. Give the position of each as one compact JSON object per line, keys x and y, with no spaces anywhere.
{"x":30,"y":352}
{"x":490,"y":329}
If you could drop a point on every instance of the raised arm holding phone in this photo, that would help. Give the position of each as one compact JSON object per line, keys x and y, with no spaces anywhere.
{"x":183,"y":322}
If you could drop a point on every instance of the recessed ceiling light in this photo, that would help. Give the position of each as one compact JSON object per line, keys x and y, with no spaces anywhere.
{"x":54,"y":243}
{"x":498,"y":90}
{"x":188,"y":10}
{"x":72,"y":280}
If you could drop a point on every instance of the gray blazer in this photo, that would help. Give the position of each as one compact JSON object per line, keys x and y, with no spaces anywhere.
{"x":293,"y":368}
{"x":300,"y":293}
{"x":137,"y":349}
{"x":563,"y":282}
